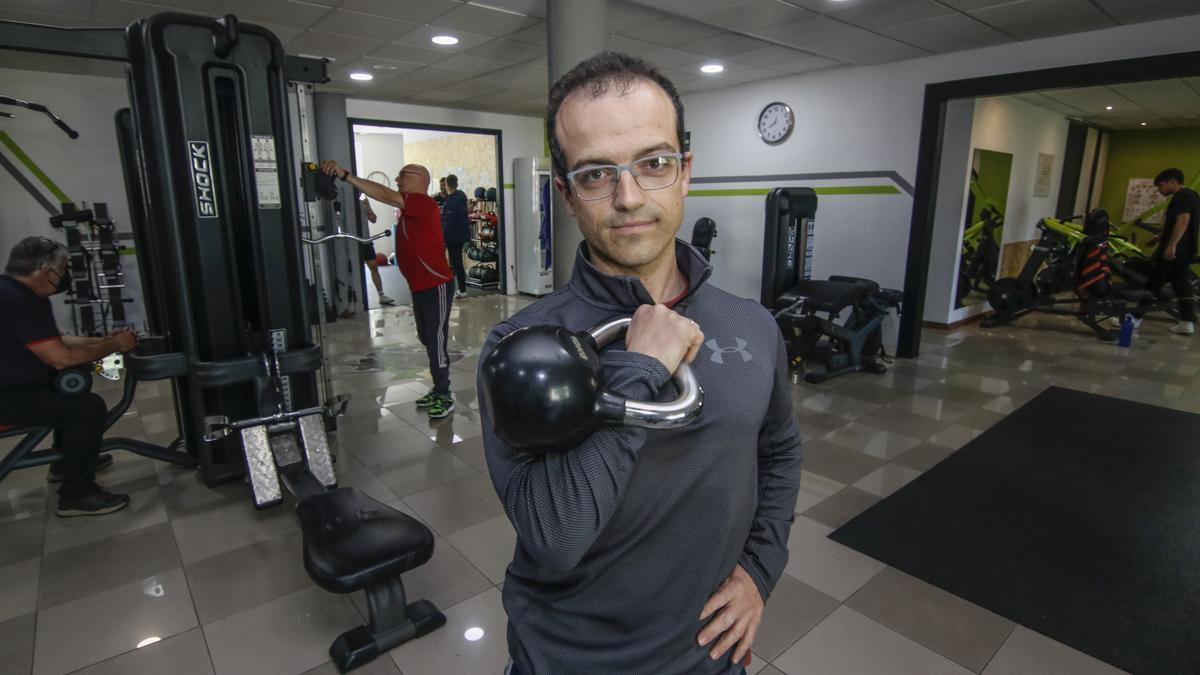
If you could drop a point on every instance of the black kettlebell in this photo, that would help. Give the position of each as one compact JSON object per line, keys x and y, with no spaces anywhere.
{"x":544,"y":388}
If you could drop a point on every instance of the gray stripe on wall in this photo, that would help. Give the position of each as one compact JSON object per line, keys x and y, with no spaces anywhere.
{"x":29,"y":187}
{"x":831,"y":175}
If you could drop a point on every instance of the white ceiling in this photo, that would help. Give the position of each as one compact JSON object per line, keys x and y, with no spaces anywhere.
{"x":500,"y":61}
{"x":1160,"y":104}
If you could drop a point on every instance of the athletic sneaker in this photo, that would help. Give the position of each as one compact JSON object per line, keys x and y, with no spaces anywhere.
{"x":385,"y":300}
{"x":1184,"y":328}
{"x":428,"y":399}
{"x":55,"y":476}
{"x":1115,"y":322}
{"x":95,"y":502}
{"x":459,"y":295}
{"x":443,"y":405}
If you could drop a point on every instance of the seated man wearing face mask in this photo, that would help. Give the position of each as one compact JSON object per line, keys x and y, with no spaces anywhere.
{"x":32,"y":351}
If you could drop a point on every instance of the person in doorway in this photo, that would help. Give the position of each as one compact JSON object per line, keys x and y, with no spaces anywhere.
{"x":371,"y":260}
{"x":33,"y":351}
{"x":1177,"y":247}
{"x":456,"y":230}
{"x":421,"y":257}
{"x":639,"y":551}
{"x":440,"y":197}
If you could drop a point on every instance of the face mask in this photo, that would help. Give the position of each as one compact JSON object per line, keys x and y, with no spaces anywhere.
{"x":64,"y":283}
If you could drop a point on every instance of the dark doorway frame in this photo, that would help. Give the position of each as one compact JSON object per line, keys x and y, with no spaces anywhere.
{"x":502,"y":237}
{"x":938,"y":95}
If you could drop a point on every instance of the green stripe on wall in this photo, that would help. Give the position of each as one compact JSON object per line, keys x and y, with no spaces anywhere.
{"x":508,"y":186}
{"x":837,"y":190}
{"x":33,"y":168}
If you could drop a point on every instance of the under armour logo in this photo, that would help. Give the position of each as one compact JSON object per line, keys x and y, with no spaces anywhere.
{"x":718,"y":351}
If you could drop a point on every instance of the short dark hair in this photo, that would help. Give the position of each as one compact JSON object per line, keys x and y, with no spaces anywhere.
{"x":1169,"y":174}
{"x":32,"y":254}
{"x":451,"y":181}
{"x":597,"y":75}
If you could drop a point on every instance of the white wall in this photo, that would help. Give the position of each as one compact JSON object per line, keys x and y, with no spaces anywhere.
{"x":87,"y":169}
{"x":1006,"y":124}
{"x":520,"y":137}
{"x":380,"y":152}
{"x":948,"y":214}
{"x":861,"y":119}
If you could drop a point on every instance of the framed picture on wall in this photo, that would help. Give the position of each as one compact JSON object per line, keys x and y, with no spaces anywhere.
{"x":1041,"y":179}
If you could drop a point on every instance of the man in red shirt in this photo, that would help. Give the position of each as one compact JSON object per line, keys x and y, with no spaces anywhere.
{"x":421,"y":257}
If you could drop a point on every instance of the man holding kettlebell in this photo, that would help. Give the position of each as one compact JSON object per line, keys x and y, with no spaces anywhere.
{"x":646,"y":550}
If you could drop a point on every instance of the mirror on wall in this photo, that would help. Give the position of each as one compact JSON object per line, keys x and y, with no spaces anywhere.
{"x":983,"y":225}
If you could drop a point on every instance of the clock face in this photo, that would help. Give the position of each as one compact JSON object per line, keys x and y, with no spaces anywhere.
{"x":775,"y":123}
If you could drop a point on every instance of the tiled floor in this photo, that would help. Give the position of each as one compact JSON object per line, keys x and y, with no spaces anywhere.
{"x":194,"y":580}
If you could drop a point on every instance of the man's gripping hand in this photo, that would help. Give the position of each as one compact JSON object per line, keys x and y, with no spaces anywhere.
{"x":331,"y":167}
{"x":739,"y":610}
{"x":124,"y":340}
{"x":664,"y":334}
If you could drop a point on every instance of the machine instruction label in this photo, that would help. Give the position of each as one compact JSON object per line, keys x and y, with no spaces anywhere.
{"x":202,"y":180}
{"x":266,"y":172}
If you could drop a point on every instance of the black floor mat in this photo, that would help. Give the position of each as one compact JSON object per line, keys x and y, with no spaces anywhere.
{"x":1077,"y":516}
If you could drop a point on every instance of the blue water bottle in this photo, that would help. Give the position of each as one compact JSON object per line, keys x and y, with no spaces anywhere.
{"x":1126,"y":338}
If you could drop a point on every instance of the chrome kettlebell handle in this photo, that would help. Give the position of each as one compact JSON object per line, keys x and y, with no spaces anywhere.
{"x":649,"y":414}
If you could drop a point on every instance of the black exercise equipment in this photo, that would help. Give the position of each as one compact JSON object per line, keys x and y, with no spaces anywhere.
{"x":787,"y":242}
{"x":212,"y":185}
{"x":819,"y":345}
{"x":38,"y":107}
{"x":703,"y":233}
{"x":76,"y":380}
{"x":349,"y":540}
{"x":828,"y":346}
{"x":1053,"y":270}
{"x":94,"y":266}
{"x":980,"y":259}
{"x":544,"y":388}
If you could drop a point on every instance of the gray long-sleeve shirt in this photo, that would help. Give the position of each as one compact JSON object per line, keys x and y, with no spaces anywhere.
{"x":621,"y":540}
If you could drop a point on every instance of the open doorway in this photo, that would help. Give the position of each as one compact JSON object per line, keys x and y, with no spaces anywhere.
{"x":1070,"y":150}
{"x":472,"y":157}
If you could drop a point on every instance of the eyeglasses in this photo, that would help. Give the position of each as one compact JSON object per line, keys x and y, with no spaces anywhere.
{"x":599,"y":181}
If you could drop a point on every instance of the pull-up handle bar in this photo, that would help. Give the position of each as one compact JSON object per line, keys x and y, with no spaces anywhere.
{"x":38,"y":107}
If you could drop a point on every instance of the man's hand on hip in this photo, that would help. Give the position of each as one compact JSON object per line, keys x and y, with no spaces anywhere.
{"x":739,"y":608}
{"x":663,"y":334}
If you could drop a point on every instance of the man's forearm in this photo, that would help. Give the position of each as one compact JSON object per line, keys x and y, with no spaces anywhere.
{"x":99,"y":348}
{"x":379,"y":193}
{"x":80,"y":341}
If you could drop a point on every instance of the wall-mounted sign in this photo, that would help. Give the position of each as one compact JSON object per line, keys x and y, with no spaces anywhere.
{"x":1041,"y":180}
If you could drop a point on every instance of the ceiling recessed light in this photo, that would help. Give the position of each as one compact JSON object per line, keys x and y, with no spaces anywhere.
{"x":361,"y":77}
{"x":1108,"y":107}
{"x":444,"y":40}
{"x":474,"y":634}
{"x":383,"y":66}
{"x":1143,"y":124}
{"x":712,"y":68}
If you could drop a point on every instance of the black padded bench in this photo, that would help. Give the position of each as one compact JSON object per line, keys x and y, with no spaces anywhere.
{"x":353,"y":542}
